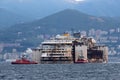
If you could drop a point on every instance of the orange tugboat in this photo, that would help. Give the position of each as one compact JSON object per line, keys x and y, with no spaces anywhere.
{"x":23,"y":61}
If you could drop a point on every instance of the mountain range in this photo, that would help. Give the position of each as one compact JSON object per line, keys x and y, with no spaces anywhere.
{"x":37,"y":9}
{"x":30,"y":34}
{"x":109,"y":8}
{"x":17,"y":11}
{"x":8,"y":18}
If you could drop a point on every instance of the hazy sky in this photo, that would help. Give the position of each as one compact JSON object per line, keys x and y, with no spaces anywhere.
{"x":36,"y":0}
{"x":42,"y":8}
{"x":31,"y":7}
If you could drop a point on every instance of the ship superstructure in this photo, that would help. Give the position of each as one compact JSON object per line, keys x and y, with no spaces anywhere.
{"x":68,"y":48}
{"x":57,"y":49}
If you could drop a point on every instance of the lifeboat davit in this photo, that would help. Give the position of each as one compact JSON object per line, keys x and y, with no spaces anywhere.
{"x":23,"y":61}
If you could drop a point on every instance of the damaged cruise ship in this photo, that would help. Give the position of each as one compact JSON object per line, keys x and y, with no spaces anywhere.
{"x":70,"y":48}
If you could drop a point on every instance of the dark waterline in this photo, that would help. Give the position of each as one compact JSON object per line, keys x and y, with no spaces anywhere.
{"x":109,"y":71}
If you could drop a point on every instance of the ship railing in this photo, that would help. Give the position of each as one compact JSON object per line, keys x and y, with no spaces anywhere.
{"x":57,"y":41}
{"x":55,"y":55}
{"x":54,"y":50}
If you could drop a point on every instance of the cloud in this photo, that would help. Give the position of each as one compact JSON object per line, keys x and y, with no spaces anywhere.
{"x":79,"y":0}
{"x":75,"y":1}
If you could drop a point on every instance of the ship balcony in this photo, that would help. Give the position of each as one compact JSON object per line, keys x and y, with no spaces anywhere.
{"x":56,"y":55}
{"x":54,"y":50}
{"x":56,"y":59}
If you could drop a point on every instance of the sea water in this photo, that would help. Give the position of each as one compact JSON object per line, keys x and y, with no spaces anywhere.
{"x":96,"y":71}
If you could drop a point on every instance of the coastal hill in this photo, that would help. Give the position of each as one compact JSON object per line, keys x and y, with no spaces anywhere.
{"x":66,"y":20}
{"x":32,"y":33}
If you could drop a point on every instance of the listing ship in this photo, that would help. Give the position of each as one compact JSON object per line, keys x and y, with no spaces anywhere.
{"x":70,"y":48}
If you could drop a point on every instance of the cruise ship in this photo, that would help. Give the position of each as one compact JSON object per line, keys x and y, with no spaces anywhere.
{"x":70,"y":48}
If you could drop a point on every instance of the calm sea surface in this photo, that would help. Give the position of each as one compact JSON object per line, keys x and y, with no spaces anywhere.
{"x":109,"y":71}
